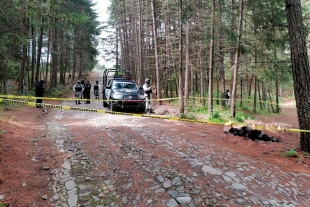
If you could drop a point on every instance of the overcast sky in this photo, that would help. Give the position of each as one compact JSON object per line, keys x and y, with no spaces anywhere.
{"x":101,"y":9}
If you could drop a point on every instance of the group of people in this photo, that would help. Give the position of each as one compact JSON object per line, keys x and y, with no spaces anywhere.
{"x":82,"y":90}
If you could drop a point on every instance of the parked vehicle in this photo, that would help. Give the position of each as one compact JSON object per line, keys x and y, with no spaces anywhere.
{"x":121,"y":92}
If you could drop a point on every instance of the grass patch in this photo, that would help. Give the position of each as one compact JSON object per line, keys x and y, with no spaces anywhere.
{"x":290,"y":153}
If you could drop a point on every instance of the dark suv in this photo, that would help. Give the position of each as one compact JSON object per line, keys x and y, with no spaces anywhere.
{"x":120,"y":91}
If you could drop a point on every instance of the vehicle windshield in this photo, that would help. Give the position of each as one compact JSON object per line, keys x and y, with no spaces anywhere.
{"x":121,"y":85}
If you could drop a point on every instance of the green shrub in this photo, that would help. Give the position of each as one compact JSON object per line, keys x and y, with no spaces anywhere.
{"x":290,"y":153}
{"x":216,"y":117}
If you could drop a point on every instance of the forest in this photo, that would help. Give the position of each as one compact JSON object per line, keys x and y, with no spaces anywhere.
{"x":189,"y":48}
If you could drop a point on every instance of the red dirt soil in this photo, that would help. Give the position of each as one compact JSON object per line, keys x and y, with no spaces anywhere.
{"x":24,"y":151}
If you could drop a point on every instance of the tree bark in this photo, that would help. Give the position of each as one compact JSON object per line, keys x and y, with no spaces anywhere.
{"x":181,"y":83}
{"x":158,"y":88}
{"x":187,"y":75}
{"x":300,"y":68}
{"x":236,"y":64}
{"x":25,"y":56}
{"x":40,"y":41}
{"x":211,"y":61}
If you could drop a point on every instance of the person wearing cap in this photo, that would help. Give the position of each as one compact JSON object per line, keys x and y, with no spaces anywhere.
{"x":39,"y":92}
{"x":96,"y":90}
{"x":78,"y":89}
{"x":148,"y":95}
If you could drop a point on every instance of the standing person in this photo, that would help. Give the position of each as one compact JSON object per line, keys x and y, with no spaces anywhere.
{"x":83,"y":85}
{"x":227,"y":96}
{"x":96,"y":90}
{"x":148,"y":95}
{"x":39,"y":92}
{"x":78,"y":89}
{"x":87,"y":87}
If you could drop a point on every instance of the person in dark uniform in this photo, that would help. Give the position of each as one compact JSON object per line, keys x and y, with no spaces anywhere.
{"x":96,"y":90}
{"x":148,"y":95}
{"x":39,"y":92}
{"x":227,"y":97}
{"x":87,"y":87}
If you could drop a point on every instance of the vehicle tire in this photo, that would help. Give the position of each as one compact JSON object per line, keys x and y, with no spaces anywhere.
{"x":141,"y":109}
{"x":105,"y":104}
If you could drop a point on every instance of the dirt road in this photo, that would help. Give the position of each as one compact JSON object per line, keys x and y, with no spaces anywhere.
{"x":95,"y":159}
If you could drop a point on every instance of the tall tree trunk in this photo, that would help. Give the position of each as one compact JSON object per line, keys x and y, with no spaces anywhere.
{"x":117,"y":42}
{"x":158,"y":88}
{"x":62,"y":59}
{"x":250,"y":86}
{"x":277,"y":97}
{"x":201,"y":71}
{"x":232,"y":30}
{"x":75,"y":51}
{"x":40,"y":43}
{"x":141,"y":70}
{"x":259,"y":95}
{"x":211,"y":61}
{"x":187,"y":75}
{"x":264,"y":94}
{"x":255,"y":94}
{"x":48,"y":52}
{"x":236,"y":64}
{"x":33,"y":55}
{"x":300,"y":68}
{"x":54,"y":57}
{"x":241,"y":89}
{"x":181,"y":83}
{"x":221,"y":55}
{"x":21,"y":78}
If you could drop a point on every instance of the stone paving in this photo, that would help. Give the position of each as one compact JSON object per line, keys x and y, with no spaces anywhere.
{"x":188,"y":173}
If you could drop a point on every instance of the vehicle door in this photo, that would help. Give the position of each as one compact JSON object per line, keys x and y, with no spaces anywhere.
{"x":108,"y":89}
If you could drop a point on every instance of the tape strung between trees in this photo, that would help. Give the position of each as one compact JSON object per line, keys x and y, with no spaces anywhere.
{"x":230,"y":123}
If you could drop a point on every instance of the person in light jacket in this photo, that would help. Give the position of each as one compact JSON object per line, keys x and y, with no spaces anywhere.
{"x":78,"y":89}
{"x":148,"y":95}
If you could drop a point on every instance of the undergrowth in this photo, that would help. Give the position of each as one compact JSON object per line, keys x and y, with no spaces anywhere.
{"x":222,"y":114}
{"x":290,"y":153}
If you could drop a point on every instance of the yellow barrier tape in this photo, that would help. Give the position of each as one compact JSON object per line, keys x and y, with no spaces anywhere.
{"x":71,"y":99}
{"x":96,"y":100}
{"x":230,"y":123}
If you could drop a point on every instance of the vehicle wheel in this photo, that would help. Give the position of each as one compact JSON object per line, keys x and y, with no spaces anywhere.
{"x":141,"y":109}
{"x":105,"y":104}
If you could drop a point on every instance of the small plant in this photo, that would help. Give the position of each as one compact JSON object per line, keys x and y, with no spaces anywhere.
{"x":12,"y":118}
{"x":216,"y":117}
{"x":290,"y":153}
{"x":1,"y":132}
